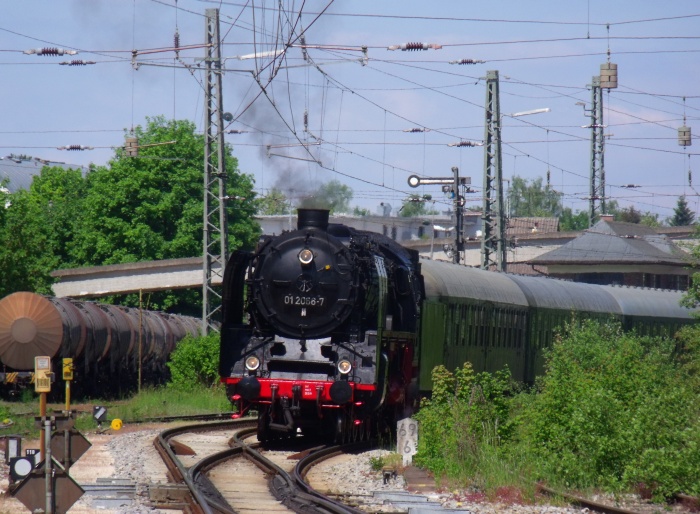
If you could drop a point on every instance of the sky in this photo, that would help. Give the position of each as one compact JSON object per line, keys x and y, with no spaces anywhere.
{"x":360,"y":106}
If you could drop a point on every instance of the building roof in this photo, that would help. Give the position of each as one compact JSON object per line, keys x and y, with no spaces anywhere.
{"x":531,"y":225}
{"x":19,"y":173}
{"x":616,"y":242}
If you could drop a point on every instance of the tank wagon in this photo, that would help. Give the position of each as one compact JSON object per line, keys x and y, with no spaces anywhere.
{"x":103,"y":341}
{"x":335,"y":330}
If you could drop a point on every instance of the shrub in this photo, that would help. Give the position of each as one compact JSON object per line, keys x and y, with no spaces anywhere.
{"x":615,"y":410}
{"x":195,"y":362}
{"x":465,"y":422}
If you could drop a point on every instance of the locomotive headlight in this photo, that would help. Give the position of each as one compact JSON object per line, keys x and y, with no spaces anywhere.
{"x":344,"y":366}
{"x":306,"y":256}
{"x":252,"y":363}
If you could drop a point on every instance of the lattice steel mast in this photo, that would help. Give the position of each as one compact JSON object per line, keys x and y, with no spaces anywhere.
{"x":596,"y":202}
{"x":215,"y":240}
{"x":493,"y":247}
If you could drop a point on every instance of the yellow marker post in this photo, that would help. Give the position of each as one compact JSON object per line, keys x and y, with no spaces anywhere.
{"x":116,"y":424}
{"x":68,"y":376}
{"x":42,"y":385}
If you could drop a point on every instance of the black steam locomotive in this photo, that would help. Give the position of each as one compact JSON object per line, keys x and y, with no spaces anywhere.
{"x":332,"y":330}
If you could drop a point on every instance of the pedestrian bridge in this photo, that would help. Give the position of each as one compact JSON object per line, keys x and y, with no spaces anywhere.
{"x":133,"y":277}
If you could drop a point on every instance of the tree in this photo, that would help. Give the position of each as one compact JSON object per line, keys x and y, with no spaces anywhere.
{"x":650,"y":219}
{"x":415,"y":205}
{"x":568,"y":221}
{"x":150,"y":207}
{"x":360,"y":211}
{"x":629,"y":215}
{"x":134,"y":209}
{"x":37,"y":228}
{"x":533,"y":199}
{"x":334,"y":196}
{"x":682,"y":215}
{"x":274,"y":203}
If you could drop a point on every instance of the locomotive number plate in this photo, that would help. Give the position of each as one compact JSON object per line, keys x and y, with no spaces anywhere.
{"x":312,"y":301}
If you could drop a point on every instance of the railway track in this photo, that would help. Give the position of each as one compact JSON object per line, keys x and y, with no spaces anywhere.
{"x":229,"y":474}
{"x":205,"y":458}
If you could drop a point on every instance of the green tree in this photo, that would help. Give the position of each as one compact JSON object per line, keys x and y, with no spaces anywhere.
{"x":682,"y":215}
{"x":568,"y":221}
{"x":275,"y":202}
{"x":150,"y":207}
{"x":650,"y":220}
{"x":360,"y":211}
{"x":629,"y":215}
{"x":37,"y":228}
{"x":533,"y":199}
{"x":416,"y":205}
{"x":632,"y":215}
{"x":334,"y":196}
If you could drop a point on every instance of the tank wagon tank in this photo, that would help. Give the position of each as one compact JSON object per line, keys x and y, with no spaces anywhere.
{"x":327,"y":328}
{"x":102,"y":340}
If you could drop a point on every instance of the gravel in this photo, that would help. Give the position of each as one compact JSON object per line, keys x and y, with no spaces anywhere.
{"x":130,"y":454}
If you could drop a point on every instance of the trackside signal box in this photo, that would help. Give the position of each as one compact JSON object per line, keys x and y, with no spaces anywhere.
{"x":67,"y":369}
{"x":42,"y":374}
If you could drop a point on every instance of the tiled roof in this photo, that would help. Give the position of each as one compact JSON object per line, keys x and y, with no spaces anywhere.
{"x":614,"y":242}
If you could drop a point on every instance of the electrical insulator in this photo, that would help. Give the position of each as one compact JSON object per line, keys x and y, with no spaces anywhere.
{"x":131,"y":146}
{"x":470,"y":144}
{"x":236,"y":131}
{"x":684,"y":136}
{"x":417,"y":129}
{"x":306,"y":121}
{"x":467,"y":61}
{"x":304,"y":53}
{"x":690,"y":177}
{"x":415,"y":46}
{"x":75,"y":148}
{"x":548,"y":176}
{"x":50,"y":51}
{"x":76,"y":62}
{"x":608,"y":75}
{"x":176,"y":40}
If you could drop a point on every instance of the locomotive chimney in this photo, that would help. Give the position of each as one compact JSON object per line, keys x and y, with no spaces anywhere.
{"x":312,"y":218}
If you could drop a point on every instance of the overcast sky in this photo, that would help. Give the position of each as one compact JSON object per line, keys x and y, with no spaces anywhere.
{"x":360,"y":106}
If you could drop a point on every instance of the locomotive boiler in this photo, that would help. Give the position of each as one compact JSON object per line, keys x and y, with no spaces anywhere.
{"x":319,"y":329}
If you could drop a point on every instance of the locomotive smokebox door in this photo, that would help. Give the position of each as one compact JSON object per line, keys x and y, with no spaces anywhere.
{"x":306,"y":281}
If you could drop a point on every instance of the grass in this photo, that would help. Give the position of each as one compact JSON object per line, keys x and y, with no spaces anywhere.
{"x":150,"y":403}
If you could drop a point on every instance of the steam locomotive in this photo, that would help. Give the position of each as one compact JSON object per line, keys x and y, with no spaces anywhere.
{"x":331,"y":330}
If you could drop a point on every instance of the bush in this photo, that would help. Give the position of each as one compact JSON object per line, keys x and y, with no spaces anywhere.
{"x":195,"y":362}
{"x":615,"y":411}
{"x":465,"y":422}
